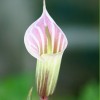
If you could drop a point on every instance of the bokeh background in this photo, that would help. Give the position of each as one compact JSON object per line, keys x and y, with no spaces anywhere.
{"x":79,"y":74}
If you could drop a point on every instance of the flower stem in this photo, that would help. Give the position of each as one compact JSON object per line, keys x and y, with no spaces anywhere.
{"x":44,"y":98}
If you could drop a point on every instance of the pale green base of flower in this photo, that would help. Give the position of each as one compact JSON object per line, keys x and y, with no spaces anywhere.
{"x":47,"y":71}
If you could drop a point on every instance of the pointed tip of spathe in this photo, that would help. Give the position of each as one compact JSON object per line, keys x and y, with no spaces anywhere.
{"x":44,"y":5}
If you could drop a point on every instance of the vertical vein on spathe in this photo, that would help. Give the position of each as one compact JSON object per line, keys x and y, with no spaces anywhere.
{"x":58,"y":45}
{"x":44,"y":91}
{"x":62,"y":45}
{"x":41,"y":76}
{"x":58,"y":62}
{"x":38,"y":75}
{"x":43,"y":79}
{"x":46,"y":65}
{"x":53,"y":37}
{"x":36,"y":40}
{"x":49,"y":44}
{"x":42,"y":38}
{"x":52,"y":75}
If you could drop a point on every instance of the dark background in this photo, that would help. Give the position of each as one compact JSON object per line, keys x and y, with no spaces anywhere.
{"x":79,"y":73}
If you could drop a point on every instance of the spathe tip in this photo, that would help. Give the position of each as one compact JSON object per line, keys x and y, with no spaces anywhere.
{"x":44,"y":5}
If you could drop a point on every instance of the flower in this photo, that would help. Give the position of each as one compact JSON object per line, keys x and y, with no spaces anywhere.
{"x":45,"y":41}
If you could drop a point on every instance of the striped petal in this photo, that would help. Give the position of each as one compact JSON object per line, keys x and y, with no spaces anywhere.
{"x":47,"y":72}
{"x":44,"y":36}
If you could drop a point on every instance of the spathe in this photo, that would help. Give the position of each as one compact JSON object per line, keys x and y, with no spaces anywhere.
{"x":45,"y":41}
{"x":37,"y":40}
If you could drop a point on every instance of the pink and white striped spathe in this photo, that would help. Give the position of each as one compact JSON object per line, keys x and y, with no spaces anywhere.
{"x":36,"y":39}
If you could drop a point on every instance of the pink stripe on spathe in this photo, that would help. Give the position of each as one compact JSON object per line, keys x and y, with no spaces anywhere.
{"x":36,"y":40}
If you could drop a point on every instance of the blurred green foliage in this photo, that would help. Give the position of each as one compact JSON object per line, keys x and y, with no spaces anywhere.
{"x":79,"y":20}
{"x":90,"y":92}
{"x":17,"y":88}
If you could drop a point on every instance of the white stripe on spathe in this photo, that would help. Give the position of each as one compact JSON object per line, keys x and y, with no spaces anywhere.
{"x":42,"y":38}
{"x":53,"y":73}
{"x":31,"y":44}
{"x":35,"y":39}
{"x":52,"y":36}
{"x":59,"y":40}
{"x":32,"y":52}
{"x":40,"y":76}
{"x":62,"y":45}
